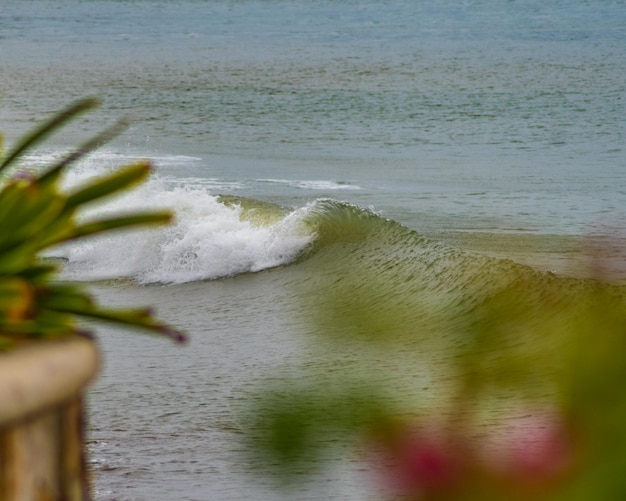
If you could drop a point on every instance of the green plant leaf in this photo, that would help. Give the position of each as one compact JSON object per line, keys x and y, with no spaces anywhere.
{"x":48,"y":127}
{"x":37,"y":273}
{"x":16,"y":299}
{"x":64,"y":297}
{"x":113,"y":183}
{"x":52,"y":174}
{"x":115,"y":223}
{"x":36,"y":214}
{"x":139,"y":318}
{"x":30,"y":211}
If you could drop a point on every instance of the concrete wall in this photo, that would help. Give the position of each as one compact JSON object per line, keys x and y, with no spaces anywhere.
{"x":42,"y":415}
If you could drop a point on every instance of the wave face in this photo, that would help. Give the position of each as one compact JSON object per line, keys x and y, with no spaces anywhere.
{"x":370,"y":274}
{"x":402,"y":310}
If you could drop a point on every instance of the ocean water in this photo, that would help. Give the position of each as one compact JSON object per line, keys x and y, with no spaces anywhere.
{"x":429,"y":152}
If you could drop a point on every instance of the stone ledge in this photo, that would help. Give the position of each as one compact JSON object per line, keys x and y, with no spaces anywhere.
{"x":42,"y":374}
{"x":42,"y":420}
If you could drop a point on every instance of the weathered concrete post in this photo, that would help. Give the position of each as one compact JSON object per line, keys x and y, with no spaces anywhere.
{"x":42,"y":452}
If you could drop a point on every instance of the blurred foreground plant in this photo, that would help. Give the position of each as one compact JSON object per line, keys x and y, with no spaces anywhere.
{"x":520,"y":395}
{"x":35,"y":215}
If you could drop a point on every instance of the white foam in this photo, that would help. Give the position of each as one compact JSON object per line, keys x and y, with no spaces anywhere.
{"x":326,"y":185}
{"x":207,"y":239}
{"x":213,"y":183}
{"x":322,"y":185}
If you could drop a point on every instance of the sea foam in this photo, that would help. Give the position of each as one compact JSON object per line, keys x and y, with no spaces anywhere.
{"x":208,"y":239}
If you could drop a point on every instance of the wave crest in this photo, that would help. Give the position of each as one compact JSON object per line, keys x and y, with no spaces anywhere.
{"x":210,"y":238}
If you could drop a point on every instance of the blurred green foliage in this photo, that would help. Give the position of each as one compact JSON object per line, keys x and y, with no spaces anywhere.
{"x":519,"y":393}
{"x":35,"y":215}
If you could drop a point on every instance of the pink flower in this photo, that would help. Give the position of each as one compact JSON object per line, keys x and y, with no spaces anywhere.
{"x":538,"y":450}
{"x":424,"y":465}
{"x":525,"y":457}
